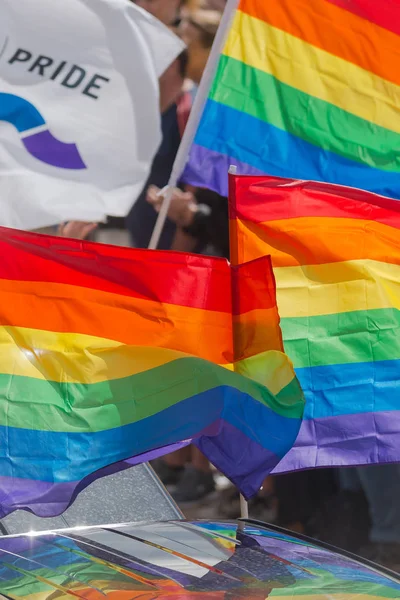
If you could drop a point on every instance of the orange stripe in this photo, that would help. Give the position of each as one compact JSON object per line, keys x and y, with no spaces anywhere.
{"x":316,"y":240}
{"x":256,"y":332}
{"x":67,"y":308}
{"x":246,"y":241}
{"x":335,"y":30}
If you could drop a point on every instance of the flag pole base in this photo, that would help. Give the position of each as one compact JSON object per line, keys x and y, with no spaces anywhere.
{"x":244,"y":508}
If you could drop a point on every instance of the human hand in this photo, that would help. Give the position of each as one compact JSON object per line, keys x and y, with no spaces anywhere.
{"x":182,"y":208}
{"x":78,"y":230}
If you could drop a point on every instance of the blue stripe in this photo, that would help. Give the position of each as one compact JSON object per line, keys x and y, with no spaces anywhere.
{"x":64,"y":457}
{"x":347,"y":389}
{"x":273,"y":151}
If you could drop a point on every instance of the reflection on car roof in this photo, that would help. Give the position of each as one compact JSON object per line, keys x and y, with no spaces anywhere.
{"x":182,"y":560}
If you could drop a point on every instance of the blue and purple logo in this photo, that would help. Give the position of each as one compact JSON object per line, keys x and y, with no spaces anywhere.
{"x":35,"y":135}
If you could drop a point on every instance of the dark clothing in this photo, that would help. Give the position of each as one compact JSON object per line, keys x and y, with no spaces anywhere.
{"x":211,"y":229}
{"x":142,"y":218}
{"x":211,"y":232}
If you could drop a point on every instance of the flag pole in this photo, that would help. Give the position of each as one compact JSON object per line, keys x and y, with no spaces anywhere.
{"x":244,"y":508}
{"x":194,"y":119}
{"x":244,"y":505}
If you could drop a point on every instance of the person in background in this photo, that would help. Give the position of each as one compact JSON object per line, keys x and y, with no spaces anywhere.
{"x":205,"y":226}
{"x":198,"y":29}
{"x":202,"y":215}
{"x":79,"y":230}
{"x":381,"y":486}
{"x":177,"y":103}
{"x":166,"y":11}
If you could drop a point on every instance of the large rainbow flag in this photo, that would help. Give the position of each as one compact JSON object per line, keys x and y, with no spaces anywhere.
{"x":110,"y":353}
{"x":336,"y":258}
{"x":308,"y":89}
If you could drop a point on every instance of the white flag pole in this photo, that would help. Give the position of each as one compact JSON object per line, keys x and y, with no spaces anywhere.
{"x":194,"y":119}
{"x":244,"y":508}
{"x":244,"y":505}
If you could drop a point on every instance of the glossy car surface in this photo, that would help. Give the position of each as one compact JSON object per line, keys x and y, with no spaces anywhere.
{"x":180,"y":560}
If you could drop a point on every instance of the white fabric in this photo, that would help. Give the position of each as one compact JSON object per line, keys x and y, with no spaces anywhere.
{"x":116,"y":135}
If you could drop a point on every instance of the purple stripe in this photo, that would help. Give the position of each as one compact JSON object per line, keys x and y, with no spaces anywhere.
{"x":48,"y":149}
{"x":46,"y":499}
{"x":251,"y":467}
{"x":345,"y":440}
{"x":209,"y":168}
{"x":245,"y":461}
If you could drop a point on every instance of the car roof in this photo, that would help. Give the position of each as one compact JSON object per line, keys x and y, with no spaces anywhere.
{"x":180,"y":560}
{"x":133,"y":494}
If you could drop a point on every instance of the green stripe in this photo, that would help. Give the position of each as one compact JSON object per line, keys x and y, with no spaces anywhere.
{"x":37,"y":404}
{"x":290,"y":391}
{"x":264,"y":97}
{"x":352,"y":337}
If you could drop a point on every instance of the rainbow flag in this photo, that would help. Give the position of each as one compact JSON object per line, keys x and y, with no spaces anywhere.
{"x":336,"y":258}
{"x":308,"y":89}
{"x":110,"y":353}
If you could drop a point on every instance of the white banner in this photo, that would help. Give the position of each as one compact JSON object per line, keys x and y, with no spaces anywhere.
{"x":79,"y":107}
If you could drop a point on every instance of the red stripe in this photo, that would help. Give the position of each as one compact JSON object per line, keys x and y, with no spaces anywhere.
{"x":167,"y":277}
{"x":386,"y":14}
{"x":253,"y":286}
{"x":261,"y":199}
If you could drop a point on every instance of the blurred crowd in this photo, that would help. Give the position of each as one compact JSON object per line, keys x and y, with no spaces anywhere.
{"x":357,"y":508}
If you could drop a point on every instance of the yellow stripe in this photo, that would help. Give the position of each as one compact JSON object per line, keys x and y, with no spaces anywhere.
{"x":315,"y":290}
{"x":78,"y":358}
{"x":74,"y":358}
{"x":314,"y":71}
{"x":271,"y":369}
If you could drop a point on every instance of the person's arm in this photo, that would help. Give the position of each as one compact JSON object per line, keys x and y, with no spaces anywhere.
{"x":78,"y":230}
{"x":182,"y":208}
{"x":206,"y":223}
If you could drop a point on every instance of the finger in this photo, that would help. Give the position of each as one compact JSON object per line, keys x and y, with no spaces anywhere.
{"x":153,"y":193}
{"x":153,"y":189}
{"x":189,"y":196}
{"x":153,"y":198}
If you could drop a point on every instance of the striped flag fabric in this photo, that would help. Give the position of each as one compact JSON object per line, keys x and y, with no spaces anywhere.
{"x":336,"y":259}
{"x":307,"y":89}
{"x":108,"y":354}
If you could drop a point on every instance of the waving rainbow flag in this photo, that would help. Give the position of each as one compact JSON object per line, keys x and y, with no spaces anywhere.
{"x":336,"y":258}
{"x":110,"y":353}
{"x":308,"y":89}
